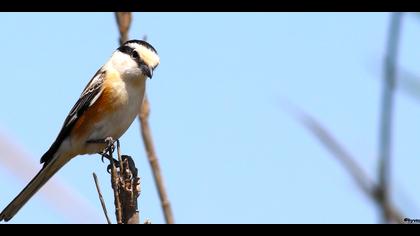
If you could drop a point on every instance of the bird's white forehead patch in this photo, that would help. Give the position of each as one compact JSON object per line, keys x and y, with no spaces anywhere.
{"x":146,"y":54}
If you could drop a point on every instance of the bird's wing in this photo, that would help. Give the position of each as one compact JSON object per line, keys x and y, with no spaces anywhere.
{"x":89,"y":95}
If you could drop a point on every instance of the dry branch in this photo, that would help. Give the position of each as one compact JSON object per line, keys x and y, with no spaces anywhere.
{"x":125,"y":184}
{"x":101,"y":198}
{"x":15,"y":160}
{"x":124,"y":20}
{"x":153,"y":160}
{"x":387,"y":106}
{"x":363,"y":181}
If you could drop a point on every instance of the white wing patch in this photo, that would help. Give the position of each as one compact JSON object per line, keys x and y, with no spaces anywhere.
{"x":88,"y":97}
{"x":94,"y":99}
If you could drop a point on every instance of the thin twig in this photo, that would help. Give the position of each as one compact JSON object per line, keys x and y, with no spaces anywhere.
{"x":385,"y":132}
{"x":101,"y":198}
{"x":123,"y":22}
{"x":130,"y":185}
{"x":362,"y":180}
{"x":153,"y":160}
{"x":114,"y":184}
{"x":119,"y":153}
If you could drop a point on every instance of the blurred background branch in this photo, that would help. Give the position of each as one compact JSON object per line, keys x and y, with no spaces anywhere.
{"x":387,"y":107}
{"x":363,"y":181}
{"x":409,"y":83}
{"x":350,"y":117}
{"x":123,"y":22}
{"x":380,"y":192}
{"x":18,"y":163}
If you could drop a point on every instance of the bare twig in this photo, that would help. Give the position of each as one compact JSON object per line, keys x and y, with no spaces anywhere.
{"x":130,"y":183}
{"x":119,"y":153}
{"x":362,"y":180}
{"x":125,"y":183}
{"x":129,"y":188}
{"x":115,"y":188}
{"x":386,"y":114}
{"x":101,"y":198}
{"x":153,"y":160}
{"x":130,"y":191}
{"x":124,"y":22}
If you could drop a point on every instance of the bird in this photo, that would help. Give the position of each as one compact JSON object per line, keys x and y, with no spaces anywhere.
{"x":105,"y":109}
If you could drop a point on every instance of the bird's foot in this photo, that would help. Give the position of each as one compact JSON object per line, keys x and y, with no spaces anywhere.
{"x":107,"y":152}
{"x":112,"y":161}
{"x":110,"y":147}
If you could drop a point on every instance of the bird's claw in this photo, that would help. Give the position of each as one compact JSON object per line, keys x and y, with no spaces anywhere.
{"x":109,"y":167}
{"x":107,"y":153}
{"x":109,"y":141}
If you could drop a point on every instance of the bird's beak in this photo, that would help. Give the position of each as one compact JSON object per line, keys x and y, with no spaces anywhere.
{"x":148,"y":71}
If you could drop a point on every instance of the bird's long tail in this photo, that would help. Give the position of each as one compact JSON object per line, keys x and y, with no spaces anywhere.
{"x":36,"y":183}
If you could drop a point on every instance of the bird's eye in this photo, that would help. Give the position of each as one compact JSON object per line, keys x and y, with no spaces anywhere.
{"x":135,"y":55}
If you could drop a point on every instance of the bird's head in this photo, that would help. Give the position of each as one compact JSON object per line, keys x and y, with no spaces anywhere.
{"x":136,"y":56}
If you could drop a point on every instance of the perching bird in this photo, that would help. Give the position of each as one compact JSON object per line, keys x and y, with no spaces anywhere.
{"x":106,"y":108}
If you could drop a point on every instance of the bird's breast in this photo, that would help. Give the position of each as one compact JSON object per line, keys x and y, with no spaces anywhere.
{"x":112,"y":114}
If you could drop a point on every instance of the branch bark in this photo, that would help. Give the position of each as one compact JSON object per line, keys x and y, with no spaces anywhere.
{"x":153,"y":160}
{"x":124,"y":21}
{"x":125,"y":184}
{"x":115,"y":188}
{"x":130,"y":183}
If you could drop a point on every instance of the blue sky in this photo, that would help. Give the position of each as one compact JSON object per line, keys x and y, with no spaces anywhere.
{"x":228,"y":150}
